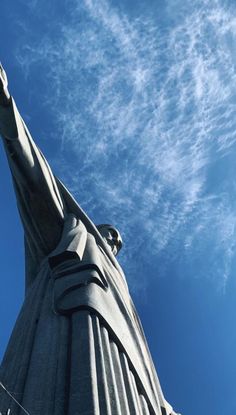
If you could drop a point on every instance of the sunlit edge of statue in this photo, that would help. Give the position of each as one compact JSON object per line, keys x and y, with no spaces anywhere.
{"x":78,"y":346}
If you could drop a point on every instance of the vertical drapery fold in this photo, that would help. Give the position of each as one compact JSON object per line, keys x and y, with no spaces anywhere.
{"x":59,"y":365}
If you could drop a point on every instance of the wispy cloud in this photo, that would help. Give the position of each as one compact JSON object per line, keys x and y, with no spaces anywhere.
{"x":148,"y":114}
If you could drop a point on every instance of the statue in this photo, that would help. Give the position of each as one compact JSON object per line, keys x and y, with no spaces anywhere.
{"x":78,"y":347}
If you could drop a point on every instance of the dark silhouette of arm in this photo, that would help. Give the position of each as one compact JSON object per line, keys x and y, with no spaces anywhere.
{"x":38,"y":197}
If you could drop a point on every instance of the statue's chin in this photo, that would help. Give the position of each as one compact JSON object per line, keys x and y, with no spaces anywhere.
{"x":112,"y":246}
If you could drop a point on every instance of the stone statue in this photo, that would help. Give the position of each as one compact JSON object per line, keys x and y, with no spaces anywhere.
{"x":78,"y":347}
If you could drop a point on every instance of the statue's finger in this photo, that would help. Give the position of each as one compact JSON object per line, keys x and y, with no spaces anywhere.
{"x":2,"y":70}
{"x":3,"y":73}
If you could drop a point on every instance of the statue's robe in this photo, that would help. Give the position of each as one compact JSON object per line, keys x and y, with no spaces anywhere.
{"x":78,"y":347}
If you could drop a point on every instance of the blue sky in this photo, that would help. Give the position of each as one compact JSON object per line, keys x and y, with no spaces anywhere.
{"x":133,"y":105}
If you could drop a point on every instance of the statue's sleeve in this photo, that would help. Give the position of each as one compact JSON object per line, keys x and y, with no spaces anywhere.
{"x":39,"y":201}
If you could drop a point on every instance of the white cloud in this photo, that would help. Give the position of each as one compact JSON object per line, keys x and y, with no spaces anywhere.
{"x":146,"y":112}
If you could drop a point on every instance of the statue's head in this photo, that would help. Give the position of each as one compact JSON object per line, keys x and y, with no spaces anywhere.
{"x":112,"y":237}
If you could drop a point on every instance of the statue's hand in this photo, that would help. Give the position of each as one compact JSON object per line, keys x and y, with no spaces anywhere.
{"x":4,"y":93}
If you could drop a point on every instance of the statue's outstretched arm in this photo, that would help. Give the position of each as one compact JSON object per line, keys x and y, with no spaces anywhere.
{"x":39,"y":200}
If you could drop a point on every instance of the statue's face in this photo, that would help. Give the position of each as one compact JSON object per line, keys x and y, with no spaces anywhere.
{"x":112,"y":237}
